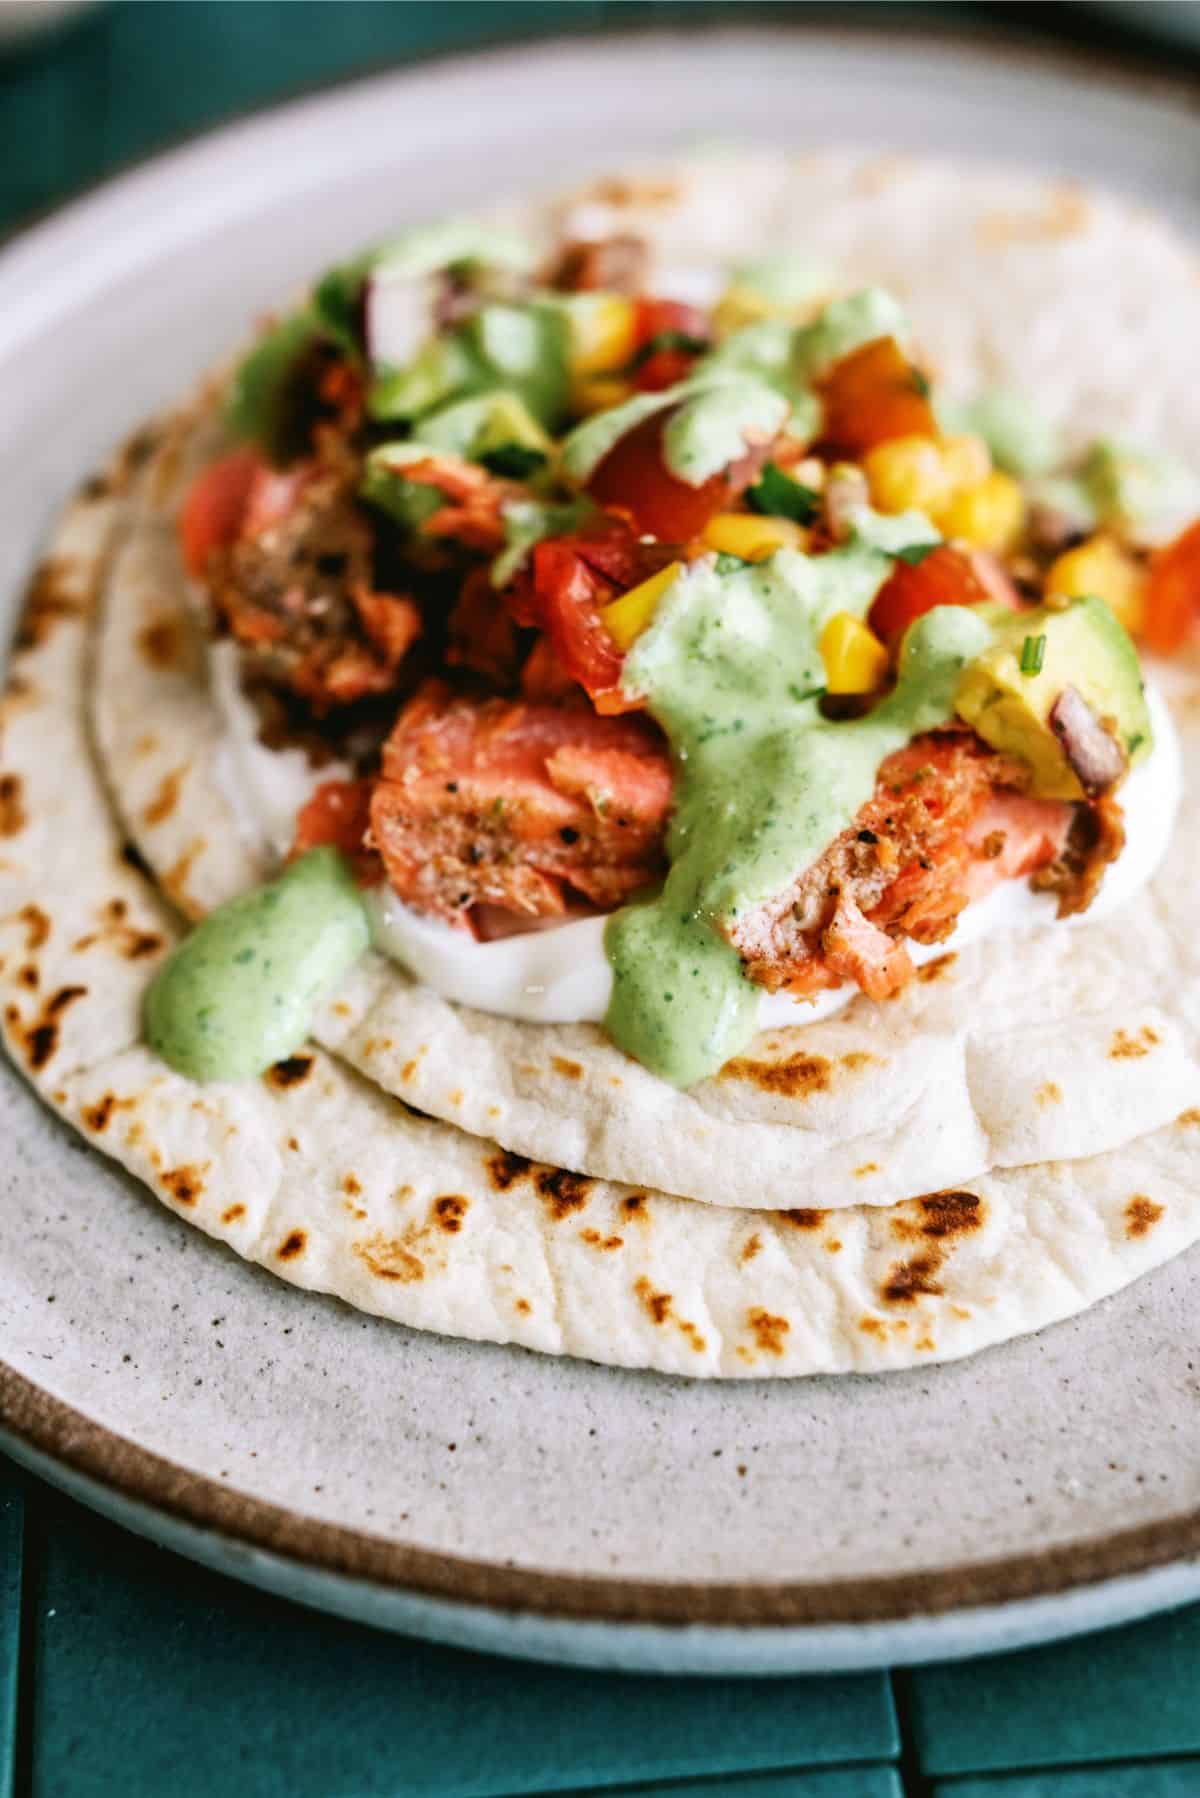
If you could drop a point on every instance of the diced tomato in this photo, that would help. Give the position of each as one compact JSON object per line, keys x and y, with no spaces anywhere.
{"x":1173,"y":593}
{"x":663,"y":369}
{"x":568,"y":580}
{"x":339,"y":815}
{"x":873,"y":394}
{"x":944,"y":577}
{"x":656,"y":316}
{"x":669,"y":363}
{"x":634,"y":478}
{"x":215,"y":507}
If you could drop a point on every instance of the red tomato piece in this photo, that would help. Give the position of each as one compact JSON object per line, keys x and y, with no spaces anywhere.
{"x":944,"y":577}
{"x":634,"y":478}
{"x":1173,"y":593}
{"x":215,"y":507}
{"x":874,"y":394}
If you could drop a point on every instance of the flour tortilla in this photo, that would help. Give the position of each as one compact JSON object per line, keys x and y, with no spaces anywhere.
{"x":320,"y":1177}
{"x":1020,"y":1050}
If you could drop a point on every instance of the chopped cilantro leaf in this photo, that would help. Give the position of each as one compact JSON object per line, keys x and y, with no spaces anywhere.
{"x":777,"y":495}
{"x":800,"y":694}
{"x":514,"y":460}
{"x":915,"y":553}
{"x":1033,"y":654}
{"x":727,"y":564}
{"x":670,"y":340}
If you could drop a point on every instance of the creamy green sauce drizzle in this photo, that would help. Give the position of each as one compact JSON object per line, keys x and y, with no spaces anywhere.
{"x":732,"y":670}
{"x":240,"y":991}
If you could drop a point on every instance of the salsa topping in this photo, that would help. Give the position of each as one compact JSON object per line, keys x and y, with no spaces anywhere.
{"x":717,"y":619}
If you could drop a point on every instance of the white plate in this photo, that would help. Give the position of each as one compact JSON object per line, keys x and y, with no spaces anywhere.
{"x":484,"y":1495}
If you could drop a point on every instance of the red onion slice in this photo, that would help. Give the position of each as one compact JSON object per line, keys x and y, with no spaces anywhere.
{"x":1093,"y":752}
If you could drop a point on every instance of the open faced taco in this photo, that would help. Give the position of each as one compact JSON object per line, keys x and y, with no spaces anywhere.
{"x":640,"y":681}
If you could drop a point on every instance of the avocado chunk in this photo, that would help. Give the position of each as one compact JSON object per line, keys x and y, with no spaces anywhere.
{"x":1009,"y":693}
{"x":495,"y":428}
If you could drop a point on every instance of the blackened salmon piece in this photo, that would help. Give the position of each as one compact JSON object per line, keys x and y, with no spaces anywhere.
{"x":297,"y":591}
{"x":518,"y":805}
{"x":948,"y":821}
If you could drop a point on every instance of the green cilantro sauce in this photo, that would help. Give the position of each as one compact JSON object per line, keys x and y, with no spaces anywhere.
{"x":732,"y":670}
{"x":239,"y":992}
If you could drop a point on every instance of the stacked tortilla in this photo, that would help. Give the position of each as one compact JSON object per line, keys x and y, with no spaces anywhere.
{"x":529,"y":1183}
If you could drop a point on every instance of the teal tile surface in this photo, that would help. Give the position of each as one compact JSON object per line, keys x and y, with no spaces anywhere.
{"x":1158,"y":1779}
{"x":1121,"y":1695}
{"x":11,"y":1543}
{"x":846,"y":1782}
{"x":153,"y":1676}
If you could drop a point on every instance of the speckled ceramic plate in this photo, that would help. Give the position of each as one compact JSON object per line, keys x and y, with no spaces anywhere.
{"x":485,"y":1495}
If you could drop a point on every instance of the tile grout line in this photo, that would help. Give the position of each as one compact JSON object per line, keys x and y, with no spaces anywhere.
{"x":914,"y":1780}
{"x":26,"y":1652}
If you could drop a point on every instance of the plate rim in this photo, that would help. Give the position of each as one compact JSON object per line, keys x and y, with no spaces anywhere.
{"x":49,"y":1426}
{"x":125,"y":1471}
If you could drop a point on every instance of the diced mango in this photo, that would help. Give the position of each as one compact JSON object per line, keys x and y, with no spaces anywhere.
{"x":906,"y":473}
{"x":855,"y":660}
{"x":966,"y":459}
{"x":989,"y":515}
{"x":751,"y":536}
{"x":627,"y":617}
{"x":603,"y":333}
{"x":596,"y":393}
{"x":1102,"y":568}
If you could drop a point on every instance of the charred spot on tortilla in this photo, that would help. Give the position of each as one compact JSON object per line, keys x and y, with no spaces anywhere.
{"x":596,"y":1239}
{"x":449,"y":1212}
{"x":1126,"y":1046}
{"x":13,"y":816}
{"x":185,"y":1184}
{"x":97,"y":1117}
{"x":657,"y":1305}
{"x":750,"y":1248}
{"x":769,"y":1331}
{"x":351,"y":1185}
{"x":802,"y":1218}
{"x":909,"y":1280}
{"x":1141,"y":1214}
{"x":161,"y":643}
{"x":37,"y":927}
{"x":938,"y":968}
{"x":166,"y":798}
{"x":233,"y":1213}
{"x":389,"y":1259}
{"x":939,"y":1215}
{"x":505,"y":1169}
{"x":867,"y":1167}
{"x":570,"y":1070}
{"x":293,"y":1244}
{"x":39,"y":1038}
{"x":1189,"y":1118}
{"x":51,"y":597}
{"x":794,"y":1078}
{"x":291,"y":1071}
{"x":563,"y":1191}
{"x":1049,"y":1093}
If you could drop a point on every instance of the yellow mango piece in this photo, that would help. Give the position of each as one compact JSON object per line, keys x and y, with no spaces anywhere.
{"x":752,"y":536}
{"x":627,"y":617}
{"x":1104,"y":570}
{"x":966,"y":459}
{"x":596,"y":393}
{"x":855,"y":660}
{"x":989,"y":515}
{"x":906,"y":473}
{"x":603,"y":334}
